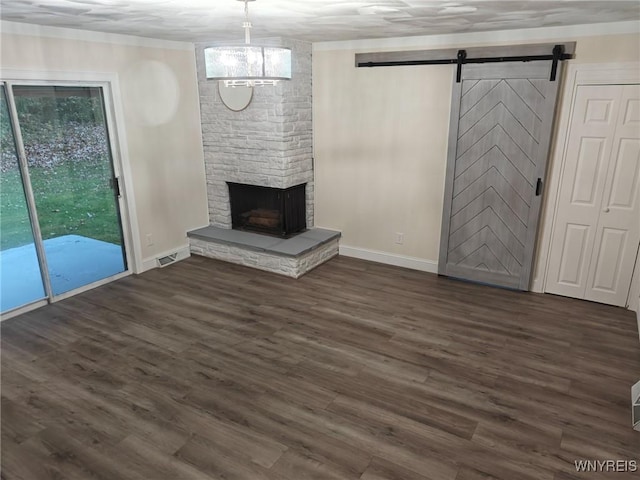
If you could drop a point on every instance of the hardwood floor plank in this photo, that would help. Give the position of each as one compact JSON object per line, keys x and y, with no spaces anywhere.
{"x":209,"y":370}
{"x":369,"y":437}
{"x":76,"y":460}
{"x":17,"y":425}
{"x":24,"y":462}
{"x":236,"y":408}
{"x":219,"y":462}
{"x":294,"y":466}
{"x":52,"y":408}
{"x":243,"y":442}
{"x":146,"y":460}
{"x":380,"y":469}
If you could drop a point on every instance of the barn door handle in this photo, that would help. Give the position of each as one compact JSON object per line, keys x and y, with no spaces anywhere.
{"x":538,"y":187}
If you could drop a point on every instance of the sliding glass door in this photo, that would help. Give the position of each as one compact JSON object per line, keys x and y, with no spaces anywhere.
{"x":69,"y":170}
{"x":20,"y":275}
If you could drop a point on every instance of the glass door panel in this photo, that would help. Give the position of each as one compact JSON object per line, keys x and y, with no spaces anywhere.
{"x":71,"y":170}
{"x":20,"y":275}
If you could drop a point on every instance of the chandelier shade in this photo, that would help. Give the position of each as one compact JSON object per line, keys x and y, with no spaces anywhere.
{"x":248,"y":64}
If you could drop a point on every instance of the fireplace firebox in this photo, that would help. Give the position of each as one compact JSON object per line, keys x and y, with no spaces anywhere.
{"x":274,"y":211}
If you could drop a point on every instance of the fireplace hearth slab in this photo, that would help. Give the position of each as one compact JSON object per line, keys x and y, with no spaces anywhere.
{"x":291,"y":247}
{"x":235,"y":237}
{"x":292,"y":257}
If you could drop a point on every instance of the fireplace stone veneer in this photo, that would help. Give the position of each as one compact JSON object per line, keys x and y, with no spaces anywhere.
{"x":268,"y":144}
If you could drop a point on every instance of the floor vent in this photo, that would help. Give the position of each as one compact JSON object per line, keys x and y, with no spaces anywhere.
{"x":167,"y":260}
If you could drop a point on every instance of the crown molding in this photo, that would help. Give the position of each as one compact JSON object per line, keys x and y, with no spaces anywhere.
{"x":29,"y":29}
{"x":524,"y":35}
{"x":435,"y":41}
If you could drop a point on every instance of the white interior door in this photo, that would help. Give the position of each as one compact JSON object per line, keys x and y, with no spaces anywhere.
{"x":597,"y":227}
{"x":618,"y":230}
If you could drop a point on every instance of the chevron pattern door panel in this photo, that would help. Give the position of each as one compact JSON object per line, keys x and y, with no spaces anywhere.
{"x":500,"y":130}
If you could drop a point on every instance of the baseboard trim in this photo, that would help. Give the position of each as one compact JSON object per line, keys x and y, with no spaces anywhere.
{"x":390,"y":259}
{"x":19,"y":311}
{"x":152,"y":262}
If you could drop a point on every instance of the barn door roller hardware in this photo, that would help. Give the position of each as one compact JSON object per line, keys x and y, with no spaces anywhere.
{"x":556,"y":55}
{"x":512,"y":53}
{"x":461,"y":58}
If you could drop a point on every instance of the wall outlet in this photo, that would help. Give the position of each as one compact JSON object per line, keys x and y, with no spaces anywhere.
{"x":399,"y":238}
{"x":149,"y":239}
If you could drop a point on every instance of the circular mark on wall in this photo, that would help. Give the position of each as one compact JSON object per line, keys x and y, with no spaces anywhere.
{"x":155,"y":93}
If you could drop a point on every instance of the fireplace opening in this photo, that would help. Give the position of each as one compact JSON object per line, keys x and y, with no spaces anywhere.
{"x":274,"y":211}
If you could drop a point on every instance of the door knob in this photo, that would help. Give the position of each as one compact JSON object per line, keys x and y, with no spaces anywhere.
{"x":606,"y":210}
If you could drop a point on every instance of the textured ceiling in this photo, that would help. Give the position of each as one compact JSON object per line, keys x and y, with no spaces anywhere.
{"x":313,"y":20}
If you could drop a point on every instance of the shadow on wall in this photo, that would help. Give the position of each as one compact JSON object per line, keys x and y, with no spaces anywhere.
{"x":149,"y":81}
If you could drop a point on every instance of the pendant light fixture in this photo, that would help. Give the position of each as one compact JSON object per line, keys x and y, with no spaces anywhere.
{"x":247,"y":65}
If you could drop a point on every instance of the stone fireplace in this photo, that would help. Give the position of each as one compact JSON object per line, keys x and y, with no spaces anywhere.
{"x":266,"y":145}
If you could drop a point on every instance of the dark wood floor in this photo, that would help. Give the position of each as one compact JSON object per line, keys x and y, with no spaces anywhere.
{"x":207,"y":370}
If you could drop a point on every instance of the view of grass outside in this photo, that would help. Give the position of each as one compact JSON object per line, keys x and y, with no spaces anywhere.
{"x":69,"y":166}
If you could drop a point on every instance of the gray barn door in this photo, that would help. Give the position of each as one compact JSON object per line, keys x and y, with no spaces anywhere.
{"x":501,"y":120}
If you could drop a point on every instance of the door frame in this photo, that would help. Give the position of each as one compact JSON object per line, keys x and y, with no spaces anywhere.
{"x":577,"y":74}
{"x":114,"y":118}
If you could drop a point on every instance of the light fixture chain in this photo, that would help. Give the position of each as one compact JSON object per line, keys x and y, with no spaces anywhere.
{"x":247,"y":23}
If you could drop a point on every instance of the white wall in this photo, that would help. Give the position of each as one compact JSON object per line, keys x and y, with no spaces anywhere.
{"x":380,"y":135}
{"x":380,"y":138}
{"x":161,"y":120}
